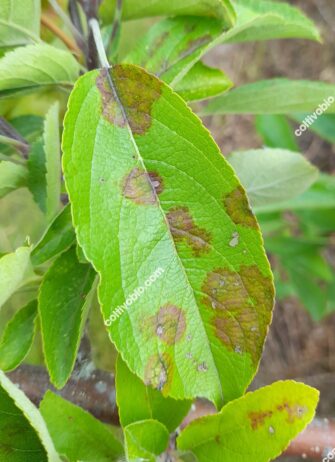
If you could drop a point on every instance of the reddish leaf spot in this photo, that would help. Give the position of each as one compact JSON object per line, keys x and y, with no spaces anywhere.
{"x":142,"y":187}
{"x":111,"y":110}
{"x":158,"y":371}
{"x":237,"y":206}
{"x":184,"y":229}
{"x":257,"y":419}
{"x":293,"y":411}
{"x":170,"y":324}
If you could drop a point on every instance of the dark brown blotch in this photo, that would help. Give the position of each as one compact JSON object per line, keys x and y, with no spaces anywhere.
{"x":237,"y":207}
{"x":158,"y":372}
{"x":170,"y":324}
{"x":257,"y":419}
{"x":184,"y":229}
{"x":293,"y":411}
{"x":142,"y":187}
{"x":111,"y":110}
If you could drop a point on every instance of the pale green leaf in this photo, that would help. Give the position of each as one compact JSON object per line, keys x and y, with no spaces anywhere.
{"x":64,"y":300}
{"x":273,"y":175}
{"x":23,"y":433}
{"x":84,"y":437}
{"x":12,"y":176}
{"x":152,"y":196}
{"x":58,"y":237}
{"x":276,"y":96}
{"x":145,"y":440}
{"x":257,"y":427}
{"x":19,"y":22}
{"x":18,"y":337}
{"x":36,"y":66}
{"x":146,"y":403}
{"x":15,"y":270}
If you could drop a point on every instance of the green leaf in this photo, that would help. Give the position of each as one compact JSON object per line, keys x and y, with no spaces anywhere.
{"x":85,"y":437}
{"x":36,"y":66}
{"x":30,"y":127}
{"x":52,"y":161}
{"x":15,"y":270}
{"x":276,"y":96}
{"x":152,"y":196}
{"x":58,"y":237}
{"x":146,"y":403}
{"x":257,"y":427}
{"x":324,"y":125}
{"x":23,"y":433}
{"x":145,"y":440}
{"x":202,"y":82}
{"x":18,"y":337}
{"x":19,"y":22}
{"x":132,"y":9}
{"x":276,"y":132}
{"x":36,"y":180}
{"x":64,"y":301}
{"x":273,"y":175}
{"x":12,"y":176}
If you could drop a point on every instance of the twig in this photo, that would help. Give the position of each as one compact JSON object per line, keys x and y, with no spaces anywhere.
{"x":46,"y":21}
{"x":94,"y":26}
{"x":11,"y":136}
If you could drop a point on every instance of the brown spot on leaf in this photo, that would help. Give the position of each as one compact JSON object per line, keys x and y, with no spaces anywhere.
{"x":110,"y":107}
{"x":293,"y":411}
{"x":184,"y":229}
{"x":257,"y":419}
{"x":158,"y":372}
{"x":170,"y":324}
{"x":241,"y":304}
{"x":237,"y":206}
{"x":142,"y":187}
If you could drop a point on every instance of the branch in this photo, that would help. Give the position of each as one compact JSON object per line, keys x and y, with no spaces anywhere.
{"x":49,"y":24}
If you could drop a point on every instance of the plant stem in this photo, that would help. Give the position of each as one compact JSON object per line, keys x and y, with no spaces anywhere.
{"x":46,"y":21}
{"x":95,"y":28}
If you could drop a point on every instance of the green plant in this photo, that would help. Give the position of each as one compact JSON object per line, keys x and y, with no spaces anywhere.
{"x":158,"y":228}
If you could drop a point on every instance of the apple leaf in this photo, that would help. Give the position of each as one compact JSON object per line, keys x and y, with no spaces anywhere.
{"x":19,"y":22}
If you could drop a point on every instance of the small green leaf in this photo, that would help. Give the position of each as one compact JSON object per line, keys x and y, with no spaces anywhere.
{"x":19,"y":22}
{"x":36,"y":180}
{"x":18,"y":337}
{"x":152,"y":195}
{"x":202,"y":82}
{"x":276,"y":96}
{"x":12,"y":176}
{"x":273,"y":175}
{"x":145,"y":440}
{"x":23,"y":433}
{"x":58,"y":237}
{"x":15,"y":270}
{"x":85,"y":438}
{"x":30,"y":127}
{"x":64,"y":301}
{"x":36,"y":66}
{"x":257,"y":427}
{"x":276,"y":131}
{"x":146,"y":403}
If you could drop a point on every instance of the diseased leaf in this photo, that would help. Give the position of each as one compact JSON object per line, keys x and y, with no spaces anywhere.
{"x":146,"y":403}
{"x":276,"y":96}
{"x":276,"y":132}
{"x":12,"y":176}
{"x":85,"y":438}
{"x":273,"y":175}
{"x":58,"y":237}
{"x":145,"y":440}
{"x":36,"y":66}
{"x":152,"y":196}
{"x":15,"y":270}
{"x":257,"y":427}
{"x":64,"y":300}
{"x":23,"y":433}
{"x":18,"y":337}
{"x":202,"y":82}
{"x":19,"y":22}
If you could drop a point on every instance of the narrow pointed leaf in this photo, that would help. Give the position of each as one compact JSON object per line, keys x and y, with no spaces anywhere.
{"x":64,"y":301}
{"x":257,"y":427}
{"x":19,"y":22}
{"x":146,"y":403}
{"x":145,"y":440}
{"x":18,"y":337}
{"x":36,"y":181}
{"x":152,"y":196}
{"x":23,"y":433}
{"x":84,"y":437}
{"x":12,"y":176}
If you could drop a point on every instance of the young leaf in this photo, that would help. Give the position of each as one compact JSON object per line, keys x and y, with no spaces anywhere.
{"x":58,"y":237}
{"x":152,"y":196}
{"x":19,"y":22}
{"x":23,"y":433}
{"x":146,"y":403}
{"x":15,"y":270}
{"x":202,"y":82}
{"x":85,"y":437}
{"x":145,"y":440}
{"x":12,"y":176}
{"x":257,"y":427}
{"x":64,"y":300}
{"x":18,"y":337}
{"x":276,"y":131}
{"x":36,"y":66}
{"x":276,"y":96}
{"x":273,"y":175}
